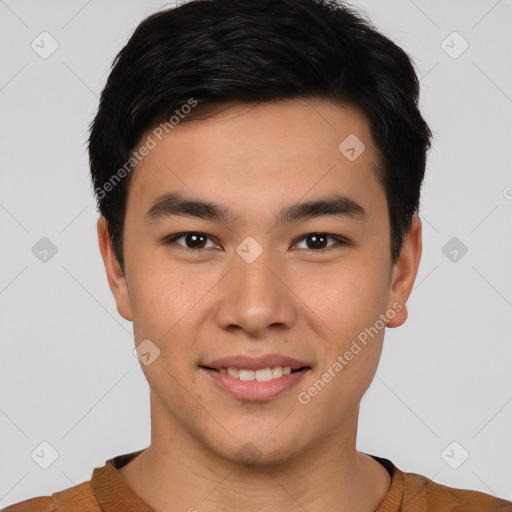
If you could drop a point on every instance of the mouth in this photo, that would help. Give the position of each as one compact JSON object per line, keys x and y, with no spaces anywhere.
{"x":264,"y":374}
{"x":255,"y":379}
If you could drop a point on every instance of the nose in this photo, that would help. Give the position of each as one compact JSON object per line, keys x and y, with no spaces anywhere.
{"x":256,"y":297}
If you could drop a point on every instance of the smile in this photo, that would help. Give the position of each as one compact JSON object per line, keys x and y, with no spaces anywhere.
{"x":261,"y":375}
{"x":256,"y":385}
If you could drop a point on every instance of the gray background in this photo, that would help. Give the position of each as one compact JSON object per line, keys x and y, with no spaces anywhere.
{"x":67,"y":372}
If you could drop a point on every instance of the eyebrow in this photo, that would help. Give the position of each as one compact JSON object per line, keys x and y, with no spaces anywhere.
{"x":174,"y":204}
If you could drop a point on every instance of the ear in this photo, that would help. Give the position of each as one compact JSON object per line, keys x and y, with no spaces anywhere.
{"x":404,"y":273}
{"x":116,"y":279}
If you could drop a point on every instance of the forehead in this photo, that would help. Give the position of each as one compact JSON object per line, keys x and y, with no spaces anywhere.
{"x":252,"y":156}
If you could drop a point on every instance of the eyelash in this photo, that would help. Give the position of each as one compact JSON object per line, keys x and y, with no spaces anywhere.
{"x":339,"y":240}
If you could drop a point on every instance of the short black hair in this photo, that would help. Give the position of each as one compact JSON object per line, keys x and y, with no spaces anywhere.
{"x":213,"y":52}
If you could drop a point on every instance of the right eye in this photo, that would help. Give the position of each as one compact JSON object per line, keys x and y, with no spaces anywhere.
{"x":193,"y":240}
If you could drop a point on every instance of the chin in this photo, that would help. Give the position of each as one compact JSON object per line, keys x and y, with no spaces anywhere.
{"x":259,"y":455}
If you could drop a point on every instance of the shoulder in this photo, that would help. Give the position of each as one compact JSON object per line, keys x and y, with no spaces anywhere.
{"x":80,"y":497}
{"x":422,"y":495}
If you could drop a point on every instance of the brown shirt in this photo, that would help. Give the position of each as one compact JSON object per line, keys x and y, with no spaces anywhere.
{"x":107,"y":491}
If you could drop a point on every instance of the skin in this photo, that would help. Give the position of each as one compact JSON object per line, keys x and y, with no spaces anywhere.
{"x":293,"y":300}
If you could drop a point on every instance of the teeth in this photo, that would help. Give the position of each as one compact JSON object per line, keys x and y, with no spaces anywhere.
{"x":233,"y":372}
{"x":246,"y":374}
{"x":277,"y":372}
{"x":262,"y":375}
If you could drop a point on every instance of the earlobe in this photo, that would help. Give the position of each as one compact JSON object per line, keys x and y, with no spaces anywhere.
{"x":404,"y":274}
{"x":115,"y":277}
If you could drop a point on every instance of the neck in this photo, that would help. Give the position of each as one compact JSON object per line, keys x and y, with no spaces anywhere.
{"x":176,"y":473}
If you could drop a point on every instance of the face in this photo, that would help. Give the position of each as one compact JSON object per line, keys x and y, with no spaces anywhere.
{"x":287,"y":265}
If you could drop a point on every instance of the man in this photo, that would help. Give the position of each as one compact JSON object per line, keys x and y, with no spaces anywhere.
{"x":258,"y":168}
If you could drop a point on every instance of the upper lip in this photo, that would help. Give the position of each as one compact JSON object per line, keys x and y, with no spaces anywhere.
{"x":255,"y":363}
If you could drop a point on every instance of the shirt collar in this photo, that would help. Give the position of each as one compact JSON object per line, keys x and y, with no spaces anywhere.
{"x":112,"y":491}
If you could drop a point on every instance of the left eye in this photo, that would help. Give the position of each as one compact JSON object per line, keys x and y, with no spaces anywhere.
{"x":318,"y":241}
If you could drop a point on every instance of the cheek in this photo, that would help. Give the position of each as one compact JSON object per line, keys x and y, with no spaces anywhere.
{"x":167,"y":298}
{"x":346,"y":297}
{"x":157,"y":300}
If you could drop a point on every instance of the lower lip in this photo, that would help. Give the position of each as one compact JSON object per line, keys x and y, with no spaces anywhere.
{"x":252,"y":390}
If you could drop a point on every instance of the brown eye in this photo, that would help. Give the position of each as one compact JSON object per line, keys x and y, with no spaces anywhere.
{"x":318,"y":241}
{"x":192,"y":240}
